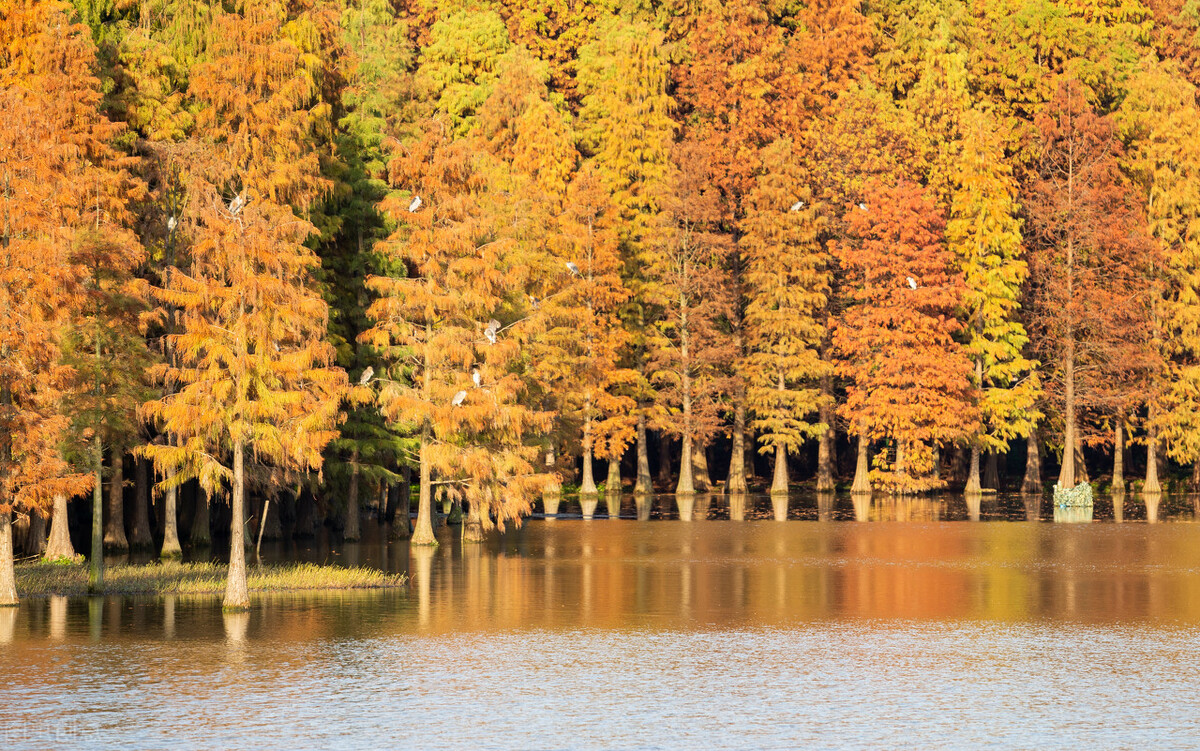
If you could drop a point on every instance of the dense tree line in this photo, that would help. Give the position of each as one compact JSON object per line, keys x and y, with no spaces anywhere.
{"x":295,"y":254}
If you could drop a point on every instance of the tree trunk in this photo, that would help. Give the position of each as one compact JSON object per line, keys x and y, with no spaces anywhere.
{"x":1066,"y":476}
{"x":36,"y":540}
{"x":991,"y":475}
{"x":700,"y":468}
{"x":400,"y":506}
{"x":351,"y":530}
{"x":686,"y":484}
{"x":96,"y":561}
{"x":114,"y":527}
{"x":423,"y":532}
{"x":643,"y":485}
{"x":473,"y":530}
{"x":1152,"y":485}
{"x":735,"y":481}
{"x":862,"y":468}
{"x":170,"y":546}
{"x":237,"y":595}
{"x":1032,"y":482}
{"x":8,"y":574}
{"x":664,"y":459}
{"x":1118,"y":475}
{"x":140,"y":537}
{"x":779,"y":484}
{"x":587,"y":483}
{"x":827,"y":442}
{"x":60,"y":545}
{"x":202,"y":520}
{"x":974,"y":487}
{"x":612,"y":483}
{"x":1081,"y":473}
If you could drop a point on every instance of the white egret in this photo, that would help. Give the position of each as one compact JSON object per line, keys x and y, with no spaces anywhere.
{"x":862,"y":206}
{"x":459,"y":398}
{"x":912,"y":283}
{"x":171,"y":224}
{"x":476,"y":377}
{"x":414,"y":204}
{"x":797,"y":206}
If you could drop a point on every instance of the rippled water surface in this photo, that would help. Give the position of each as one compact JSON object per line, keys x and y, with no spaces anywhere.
{"x":639,"y":635}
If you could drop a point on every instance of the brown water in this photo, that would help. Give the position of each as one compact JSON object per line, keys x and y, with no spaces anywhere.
{"x":663,"y":634}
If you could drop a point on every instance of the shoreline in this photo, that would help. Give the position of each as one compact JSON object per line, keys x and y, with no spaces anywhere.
{"x":43,"y":579}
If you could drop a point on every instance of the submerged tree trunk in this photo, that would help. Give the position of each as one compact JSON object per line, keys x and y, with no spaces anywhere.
{"x":8,"y":574}
{"x":473,"y":529}
{"x":700,"y":468}
{"x":1195,"y":483}
{"x":60,"y":545}
{"x":1152,"y":484}
{"x":140,"y":537}
{"x":991,"y":475}
{"x":1081,"y":473}
{"x":1066,"y":476}
{"x":862,"y":468}
{"x":351,"y":530}
{"x":114,"y":527}
{"x":423,"y":530}
{"x":735,"y":481}
{"x":685,"y":484}
{"x":237,"y":595}
{"x":587,"y":482}
{"x":612,"y":482}
{"x":974,"y":487}
{"x":1032,"y":482}
{"x":664,"y":459}
{"x":826,"y":443}
{"x":643,"y":485}
{"x":170,"y":546}
{"x":779,"y":483}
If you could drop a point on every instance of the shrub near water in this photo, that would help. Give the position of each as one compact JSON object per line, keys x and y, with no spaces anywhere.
{"x":174,"y":577}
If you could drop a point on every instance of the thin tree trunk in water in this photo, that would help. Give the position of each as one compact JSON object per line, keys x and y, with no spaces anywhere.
{"x":1066,"y":476}
{"x":8,"y":574}
{"x":237,"y":595}
{"x":201,"y":520}
{"x":685,"y":484}
{"x":1032,"y":482}
{"x":1152,"y":485}
{"x":96,"y":562}
{"x":700,"y":468}
{"x":735,"y":482}
{"x":862,"y":468}
{"x":612,"y":482}
{"x":114,"y":527}
{"x":399,"y":504}
{"x":1118,"y":475}
{"x":423,"y":532}
{"x":170,"y":546}
{"x":643,"y":485}
{"x":351,"y":530}
{"x":827,"y":442}
{"x":60,"y":535}
{"x":262,"y":528}
{"x":991,"y":475}
{"x":974,"y":487}
{"x":779,"y":484}
{"x":140,"y":537}
{"x":587,"y":484}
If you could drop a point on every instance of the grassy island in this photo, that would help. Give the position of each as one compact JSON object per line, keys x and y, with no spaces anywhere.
{"x":174,"y":577}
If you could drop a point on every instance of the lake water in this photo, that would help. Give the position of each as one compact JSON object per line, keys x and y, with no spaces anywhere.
{"x":614,"y":633}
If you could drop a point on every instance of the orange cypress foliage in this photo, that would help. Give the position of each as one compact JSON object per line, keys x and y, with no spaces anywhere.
{"x":689,"y":350}
{"x":456,"y":374}
{"x":1176,"y":34}
{"x":909,"y":381}
{"x":61,"y":186}
{"x":1090,"y":299}
{"x":254,"y":376}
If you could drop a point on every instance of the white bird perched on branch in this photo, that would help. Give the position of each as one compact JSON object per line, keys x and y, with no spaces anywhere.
{"x":171,"y":224}
{"x":862,"y":206}
{"x":572,"y":268}
{"x":235,"y":206}
{"x":366,"y":376}
{"x":459,"y":398}
{"x":414,"y":204}
{"x":912,"y":283}
{"x":797,"y":206}
{"x":533,"y":302}
{"x":492,"y":329}
{"x":476,"y":377}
